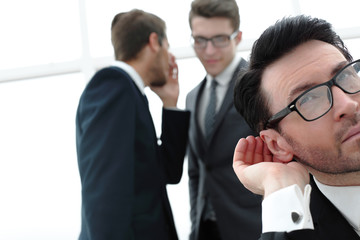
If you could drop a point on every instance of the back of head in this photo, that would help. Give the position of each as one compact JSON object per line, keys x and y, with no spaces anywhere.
{"x":274,"y":43}
{"x":130,"y":32}
{"x":216,"y":8}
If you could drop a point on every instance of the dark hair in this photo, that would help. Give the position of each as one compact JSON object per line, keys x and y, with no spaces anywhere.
{"x":130,"y":32}
{"x":274,"y":43}
{"x":216,"y":8}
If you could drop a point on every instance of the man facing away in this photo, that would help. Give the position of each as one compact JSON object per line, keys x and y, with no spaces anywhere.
{"x":303,"y":86}
{"x":123,"y":170}
{"x":221,"y":208}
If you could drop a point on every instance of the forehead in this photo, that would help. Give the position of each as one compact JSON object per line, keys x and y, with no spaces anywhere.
{"x":208,"y":27}
{"x":309,"y":64}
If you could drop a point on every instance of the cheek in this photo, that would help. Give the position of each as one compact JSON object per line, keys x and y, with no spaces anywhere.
{"x":199,"y":55}
{"x":164,"y":62}
{"x":312,"y":133}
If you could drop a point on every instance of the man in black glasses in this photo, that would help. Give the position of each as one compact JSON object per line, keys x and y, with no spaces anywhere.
{"x":221,"y":208}
{"x":301,"y":93}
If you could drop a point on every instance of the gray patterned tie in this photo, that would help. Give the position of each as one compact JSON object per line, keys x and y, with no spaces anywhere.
{"x":211,"y":109}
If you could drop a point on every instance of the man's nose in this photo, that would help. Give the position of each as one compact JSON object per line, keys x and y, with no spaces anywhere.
{"x":210,"y":48}
{"x":345,"y":105}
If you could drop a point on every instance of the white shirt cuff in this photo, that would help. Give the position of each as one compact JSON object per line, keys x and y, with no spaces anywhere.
{"x":287,"y":210}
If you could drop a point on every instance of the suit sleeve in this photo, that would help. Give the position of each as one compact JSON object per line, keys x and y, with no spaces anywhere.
{"x":105,"y":145}
{"x":294,"y":235}
{"x":174,"y":137}
{"x":193,"y":172}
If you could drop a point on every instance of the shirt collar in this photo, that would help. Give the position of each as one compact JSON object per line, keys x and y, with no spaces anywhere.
{"x":225,"y":76}
{"x":133,"y":74}
{"x":346,"y":199}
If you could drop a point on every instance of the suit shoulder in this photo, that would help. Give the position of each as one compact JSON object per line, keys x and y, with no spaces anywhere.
{"x":108,"y":83}
{"x":110,"y":76}
{"x":193,"y":92}
{"x":111,"y":72}
{"x":192,"y":95}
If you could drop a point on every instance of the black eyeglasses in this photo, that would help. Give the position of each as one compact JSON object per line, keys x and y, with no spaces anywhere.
{"x":218,"y":41}
{"x":318,"y":100}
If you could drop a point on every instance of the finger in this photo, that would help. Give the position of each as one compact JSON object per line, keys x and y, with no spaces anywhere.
{"x":173,"y":67}
{"x":238,"y":164}
{"x":175,"y":72}
{"x":249,"y":156}
{"x":258,"y":155}
{"x":240,"y":149}
{"x":171,"y":59}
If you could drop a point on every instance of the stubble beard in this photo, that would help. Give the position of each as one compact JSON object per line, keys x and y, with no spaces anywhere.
{"x":330,"y":161}
{"x":157,"y":73}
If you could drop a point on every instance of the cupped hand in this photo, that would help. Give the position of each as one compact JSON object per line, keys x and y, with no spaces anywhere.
{"x":261,"y":172}
{"x":169,"y":92}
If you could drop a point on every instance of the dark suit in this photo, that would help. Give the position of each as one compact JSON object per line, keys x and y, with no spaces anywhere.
{"x":329,"y":223}
{"x":238,"y":211}
{"x":123,"y":170}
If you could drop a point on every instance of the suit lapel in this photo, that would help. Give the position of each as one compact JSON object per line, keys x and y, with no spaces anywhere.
{"x":228,"y":99}
{"x":196,"y":136}
{"x":328,"y":221}
{"x":141,"y":96}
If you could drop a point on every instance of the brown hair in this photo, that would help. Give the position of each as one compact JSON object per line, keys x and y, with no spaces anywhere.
{"x":216,"y":8}
{"x":130,"y":32}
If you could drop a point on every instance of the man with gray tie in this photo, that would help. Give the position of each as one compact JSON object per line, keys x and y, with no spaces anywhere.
{"x":221,"y":208}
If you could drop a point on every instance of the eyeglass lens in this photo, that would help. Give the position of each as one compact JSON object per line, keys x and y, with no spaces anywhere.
{"x":318,"y":101}
{"x":217,"y":41}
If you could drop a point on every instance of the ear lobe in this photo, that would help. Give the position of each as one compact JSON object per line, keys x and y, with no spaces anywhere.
{"x":277,"y":145}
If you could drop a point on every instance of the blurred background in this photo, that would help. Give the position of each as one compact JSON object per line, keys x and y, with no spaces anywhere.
{"x":49,"y":49}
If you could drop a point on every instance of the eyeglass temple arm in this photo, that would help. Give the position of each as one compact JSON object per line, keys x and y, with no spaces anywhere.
{"x":277,"y":118}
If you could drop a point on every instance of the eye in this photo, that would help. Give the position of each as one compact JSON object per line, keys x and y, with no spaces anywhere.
{"x":220,"y":39}
{"x":349,"y":80}
{"x":305,"y":99}
{"x":311,"y":97}
{"x":199,"y":40}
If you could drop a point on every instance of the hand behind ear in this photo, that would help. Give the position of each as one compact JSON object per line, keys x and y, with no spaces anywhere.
{"x":263,"y":173}
{"x":253,"y":150}
{"x":277,"y":145}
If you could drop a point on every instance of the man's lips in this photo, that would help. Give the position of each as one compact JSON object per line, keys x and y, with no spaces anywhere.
{"x":211,"y":61}
{"x":353,"y":132}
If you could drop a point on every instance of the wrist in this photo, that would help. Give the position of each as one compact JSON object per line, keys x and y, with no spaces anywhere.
{"x":170,"y":103}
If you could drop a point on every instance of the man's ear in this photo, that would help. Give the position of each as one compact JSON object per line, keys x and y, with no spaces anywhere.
{"x":154,"y":42}
{"x":238,"y":38}
{"x":277,"y":144}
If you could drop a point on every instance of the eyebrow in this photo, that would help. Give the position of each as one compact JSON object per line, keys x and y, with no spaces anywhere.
{"x":304,"y":87}
{"x":218,"y":35}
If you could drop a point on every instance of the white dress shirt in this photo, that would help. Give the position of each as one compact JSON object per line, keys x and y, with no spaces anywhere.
{"x":346,"y":199}
{"x":223,"y":80}
{"x":137,"y":79}
{"x":278,"y":206}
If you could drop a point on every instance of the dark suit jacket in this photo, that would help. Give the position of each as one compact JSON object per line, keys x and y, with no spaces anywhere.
{"x":238,"y":211}
{"x":123,"y":170}
{"x":329,"y":223}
